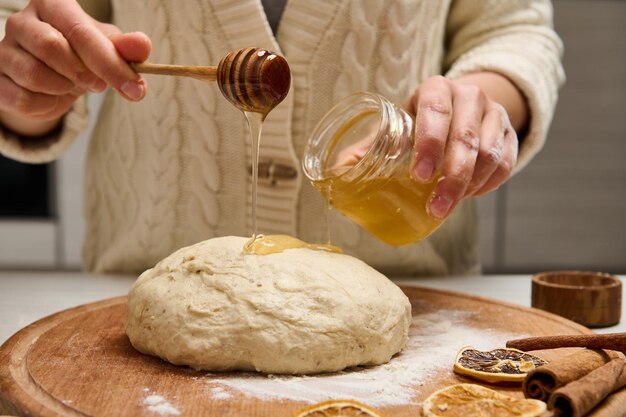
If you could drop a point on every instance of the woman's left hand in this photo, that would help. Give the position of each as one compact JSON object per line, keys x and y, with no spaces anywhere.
{"x":464,"y":135}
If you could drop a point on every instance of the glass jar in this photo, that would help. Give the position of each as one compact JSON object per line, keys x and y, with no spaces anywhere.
{"x":359,"y":157}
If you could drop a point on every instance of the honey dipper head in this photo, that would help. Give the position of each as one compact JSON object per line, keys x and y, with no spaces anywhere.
{"x":254,"y":79}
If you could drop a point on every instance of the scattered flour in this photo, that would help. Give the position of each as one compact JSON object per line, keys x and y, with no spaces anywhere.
{"x":433,"y":343}
{"x":158,"y":404}
{"x":219,"y":393}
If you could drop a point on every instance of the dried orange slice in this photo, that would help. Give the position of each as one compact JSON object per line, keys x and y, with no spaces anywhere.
{"x":497,"y":365}
{"x":470,"y":400}
{"x":338,"y":408}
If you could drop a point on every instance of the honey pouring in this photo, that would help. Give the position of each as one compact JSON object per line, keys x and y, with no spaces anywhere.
{"x":255,"y":81}
{"x":359,"y":158}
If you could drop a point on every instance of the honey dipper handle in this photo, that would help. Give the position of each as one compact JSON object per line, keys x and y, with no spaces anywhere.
{"x":610,"y":341}
{"x":200,"y":73}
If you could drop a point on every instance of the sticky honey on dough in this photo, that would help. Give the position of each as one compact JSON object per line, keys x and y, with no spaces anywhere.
{"x":302,"y":311}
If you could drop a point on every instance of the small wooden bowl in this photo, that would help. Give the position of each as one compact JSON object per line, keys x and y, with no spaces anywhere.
{"x":593,"y":299}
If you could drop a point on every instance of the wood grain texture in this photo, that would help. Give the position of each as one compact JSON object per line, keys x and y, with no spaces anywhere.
{"x":592,"y":299}
{"x":254,"y":79}
{"x":79,"y":362}
{"x":203,"y":73}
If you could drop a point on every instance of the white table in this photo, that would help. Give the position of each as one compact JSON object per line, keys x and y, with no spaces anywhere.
{"x":28,"y":296}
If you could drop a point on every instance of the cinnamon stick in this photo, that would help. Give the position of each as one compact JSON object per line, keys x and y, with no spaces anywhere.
{"x":541,"y":382}
{"x":609,"y":341}
{"x":579,"y":397}
{"x":613,"y":406}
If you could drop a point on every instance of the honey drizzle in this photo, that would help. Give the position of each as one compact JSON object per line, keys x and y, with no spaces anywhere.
{"x":255,"y":123}
{"x":260,"y":244}
{"x":328,"y":205}
{"x":266,"y":245}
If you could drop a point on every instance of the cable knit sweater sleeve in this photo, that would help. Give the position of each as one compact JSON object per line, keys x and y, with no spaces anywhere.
{"x":514,"y":38}
{"x":50,"y":147}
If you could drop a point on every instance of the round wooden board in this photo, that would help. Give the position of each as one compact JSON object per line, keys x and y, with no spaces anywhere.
{"x":79,"y":362}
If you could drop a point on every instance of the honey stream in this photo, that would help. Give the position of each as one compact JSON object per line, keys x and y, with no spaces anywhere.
{"x":262,"y":244}
{"x":255,"y":123}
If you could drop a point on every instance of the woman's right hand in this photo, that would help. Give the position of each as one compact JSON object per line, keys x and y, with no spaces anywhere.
{"x":53,"y":52}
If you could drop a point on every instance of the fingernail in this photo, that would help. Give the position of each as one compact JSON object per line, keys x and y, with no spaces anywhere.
{"x":424,"y":170}
{"x":439,"y":206}
{"x":134,"y":90}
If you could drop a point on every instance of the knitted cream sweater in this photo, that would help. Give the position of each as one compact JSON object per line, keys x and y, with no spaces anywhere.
{"x":174,"y":169}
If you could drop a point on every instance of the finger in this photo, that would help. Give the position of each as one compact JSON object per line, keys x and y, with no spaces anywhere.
{"x":16,"y":99}
{"x":410,"y":104}
{"x":106,"y":28}
{"x":133,"y":47}
{"x":432,"y":123}
{"x":63,"y":106}
{"x":32,"y":74}
{"x":505,"y":167}
{"x":50,"y":47}
{"x":492,"y":138}
{"x":93,"y":47}
{"x":461,"y":150}
{"x":351,"y":155}
{"x":77,"y":91}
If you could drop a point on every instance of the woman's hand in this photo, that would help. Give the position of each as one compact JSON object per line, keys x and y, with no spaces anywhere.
{"x":52,"y":53}
{"x":465,"y":135}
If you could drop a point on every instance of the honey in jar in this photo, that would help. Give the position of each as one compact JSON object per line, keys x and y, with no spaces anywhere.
{"x":359,"y":157}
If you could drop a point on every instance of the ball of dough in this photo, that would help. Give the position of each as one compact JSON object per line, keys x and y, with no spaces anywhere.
{"x":301,"y":311}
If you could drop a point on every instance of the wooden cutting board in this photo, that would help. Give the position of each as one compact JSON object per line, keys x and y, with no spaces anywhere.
{"x":79,"y":362}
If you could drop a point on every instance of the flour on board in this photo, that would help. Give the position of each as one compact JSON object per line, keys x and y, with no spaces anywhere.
{"x":434,"y":340}
{"x":160,"y":405}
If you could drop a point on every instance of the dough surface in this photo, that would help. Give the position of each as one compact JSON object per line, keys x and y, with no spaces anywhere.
{"x":212,"y":307}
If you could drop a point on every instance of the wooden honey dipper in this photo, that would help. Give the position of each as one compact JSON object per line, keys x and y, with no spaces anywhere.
{"x":253,"y":79}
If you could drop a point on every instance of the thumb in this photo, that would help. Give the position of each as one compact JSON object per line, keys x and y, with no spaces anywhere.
{"x":410,"y":104}
{"x":133,"y":47}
